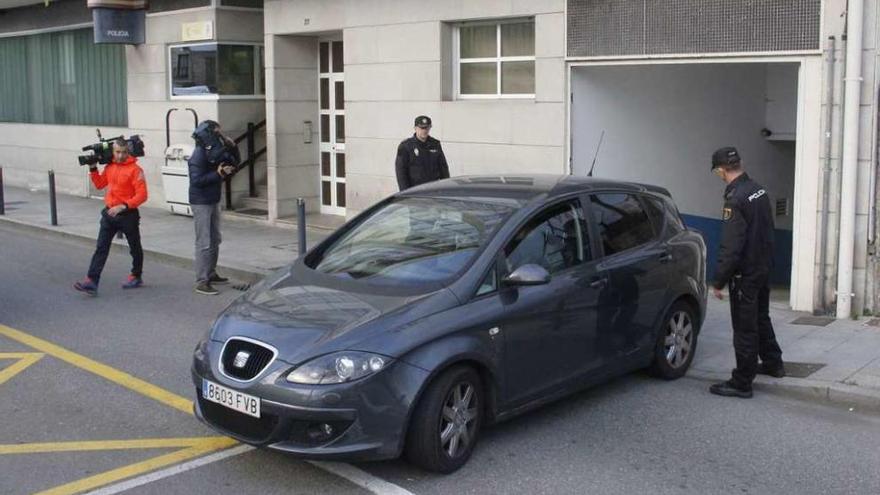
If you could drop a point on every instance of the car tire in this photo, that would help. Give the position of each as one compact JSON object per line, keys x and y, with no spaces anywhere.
{"x":676,"y":342}
{"x":451,"y":407}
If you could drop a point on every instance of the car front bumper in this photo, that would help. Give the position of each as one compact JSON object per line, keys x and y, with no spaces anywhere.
{"x":368,"y":416}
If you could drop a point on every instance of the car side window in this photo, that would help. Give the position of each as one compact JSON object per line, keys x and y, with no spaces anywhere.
{"x":656,"y":212}
{"x":673,"y":218}
{"x":490,"y":283}
{"x":621,"y":220}
{"x":555,"y":239}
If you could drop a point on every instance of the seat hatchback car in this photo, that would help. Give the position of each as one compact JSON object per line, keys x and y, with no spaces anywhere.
{"x":450,"y":306}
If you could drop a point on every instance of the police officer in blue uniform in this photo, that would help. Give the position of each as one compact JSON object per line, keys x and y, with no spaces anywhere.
{"x":745,"y":259}
{"x":420,"y":158}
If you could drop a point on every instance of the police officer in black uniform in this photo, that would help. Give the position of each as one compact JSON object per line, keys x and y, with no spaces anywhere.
{"x":420,"y":158}
{"x":745,"y":259}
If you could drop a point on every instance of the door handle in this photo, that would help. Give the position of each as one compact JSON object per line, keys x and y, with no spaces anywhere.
{"x":665,"y":257}
{"x":599,"y":283}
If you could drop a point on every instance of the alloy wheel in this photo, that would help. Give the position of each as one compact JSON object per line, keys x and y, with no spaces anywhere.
{"x":679,"y":339}
{"x":458,"y":419}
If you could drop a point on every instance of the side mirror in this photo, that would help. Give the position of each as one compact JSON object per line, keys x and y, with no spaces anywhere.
{"x":527,"y":275}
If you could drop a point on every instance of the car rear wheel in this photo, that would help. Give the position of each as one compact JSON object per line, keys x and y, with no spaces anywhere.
{"x":447,"y":421}
{"x":676,"y":342}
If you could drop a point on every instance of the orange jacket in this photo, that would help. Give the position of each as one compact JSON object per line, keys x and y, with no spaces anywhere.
{"x":126,"y":181}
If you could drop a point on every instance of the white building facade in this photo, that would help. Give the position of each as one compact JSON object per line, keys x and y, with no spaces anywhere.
{"x":516,"y":86}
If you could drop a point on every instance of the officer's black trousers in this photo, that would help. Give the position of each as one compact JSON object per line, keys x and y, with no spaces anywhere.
{"x":128,"y":223}
{"x":753,"y":334}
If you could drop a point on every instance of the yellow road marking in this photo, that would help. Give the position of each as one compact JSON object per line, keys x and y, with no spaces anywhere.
{"x":191,"y":447}
{"x":90,"y":365}
{"x":25,"y":359}
{"x":146,"y":443}
{"x":139,"y":468}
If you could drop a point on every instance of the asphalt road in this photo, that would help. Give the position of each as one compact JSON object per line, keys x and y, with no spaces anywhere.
{"x":633,"y":435}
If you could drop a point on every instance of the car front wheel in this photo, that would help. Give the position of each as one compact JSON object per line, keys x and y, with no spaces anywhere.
{"x":446,"y":421}
{"x":676,"y":343}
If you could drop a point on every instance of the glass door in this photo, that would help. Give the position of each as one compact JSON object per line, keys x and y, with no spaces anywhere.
{"x":331,"y":90}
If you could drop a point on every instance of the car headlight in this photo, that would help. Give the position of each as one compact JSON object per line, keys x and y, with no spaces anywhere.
{"x":339,"y":367}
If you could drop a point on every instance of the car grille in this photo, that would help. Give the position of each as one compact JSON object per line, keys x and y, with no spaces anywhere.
{"x":260,"y":357}
{"x":247,"y":427}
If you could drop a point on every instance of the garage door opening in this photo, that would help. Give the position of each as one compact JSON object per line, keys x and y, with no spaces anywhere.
{"x":661,"y":123}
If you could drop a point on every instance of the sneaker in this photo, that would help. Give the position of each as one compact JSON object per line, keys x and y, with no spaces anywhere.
{"x":217,"y":279}
{"x":87,"y":286}
{"x":777,"y":371}
{"x":727,"y":389}
{"x":205,"y":288}
{"x":132,"y":282}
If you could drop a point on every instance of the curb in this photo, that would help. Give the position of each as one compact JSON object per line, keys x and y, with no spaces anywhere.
{"x":858,"y":398}
{"x":247,"y":275}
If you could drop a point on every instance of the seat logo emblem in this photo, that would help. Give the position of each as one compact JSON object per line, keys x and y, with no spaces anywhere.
{"x":241,"y":359}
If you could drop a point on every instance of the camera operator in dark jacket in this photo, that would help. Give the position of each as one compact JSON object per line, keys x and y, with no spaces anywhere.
{"x":214,"y":159}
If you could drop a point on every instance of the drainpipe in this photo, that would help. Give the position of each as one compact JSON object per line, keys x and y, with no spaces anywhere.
{"x":826,"y":173}
{"x":870,"y":281}
{"x":834,"y":220}
{"x":849,"y":165}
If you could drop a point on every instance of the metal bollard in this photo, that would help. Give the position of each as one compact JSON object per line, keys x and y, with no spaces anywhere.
{"x":301,"y":224}
{"x":53,"y":207}
{"x":2,"y":203}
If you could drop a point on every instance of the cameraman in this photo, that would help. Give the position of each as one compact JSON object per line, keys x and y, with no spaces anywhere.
{"x":214,"y":159}
{"x":126,"y":190}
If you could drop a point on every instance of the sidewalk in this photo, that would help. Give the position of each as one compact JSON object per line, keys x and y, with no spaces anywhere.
{"x":248,"y":252}
{"x":849,"y":351}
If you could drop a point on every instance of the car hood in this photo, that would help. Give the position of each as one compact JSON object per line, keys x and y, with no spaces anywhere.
{"x":307,"y":318}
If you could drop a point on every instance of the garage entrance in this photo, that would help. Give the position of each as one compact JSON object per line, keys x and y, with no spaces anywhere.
{"x":661,"y":123}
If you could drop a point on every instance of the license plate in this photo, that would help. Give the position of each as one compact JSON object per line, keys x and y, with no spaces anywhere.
{"x":237,"y":401}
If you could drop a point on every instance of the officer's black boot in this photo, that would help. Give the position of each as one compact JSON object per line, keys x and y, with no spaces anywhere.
{"x":728,"y":389}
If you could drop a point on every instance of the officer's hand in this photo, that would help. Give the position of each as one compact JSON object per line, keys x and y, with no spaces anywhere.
{"x":222,"y":171}
{"x":228,"y":169}
{"x":718,"y":294}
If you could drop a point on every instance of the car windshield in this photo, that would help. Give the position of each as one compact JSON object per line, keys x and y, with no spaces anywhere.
{"x":415,"y":240}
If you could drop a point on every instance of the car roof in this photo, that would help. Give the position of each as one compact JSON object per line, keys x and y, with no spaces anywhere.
{"x":523,"y":187}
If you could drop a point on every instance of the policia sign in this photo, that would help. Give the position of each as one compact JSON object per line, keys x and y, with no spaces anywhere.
{"x":119,"y":21}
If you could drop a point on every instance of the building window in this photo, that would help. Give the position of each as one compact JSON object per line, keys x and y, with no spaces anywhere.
{"x":51,"y":78}
{"x":496,"y":60}
{"x":249,"y":4}
{"x":216,"y":70}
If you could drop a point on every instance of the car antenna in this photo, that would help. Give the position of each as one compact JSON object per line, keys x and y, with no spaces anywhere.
{"x":597,"y":154}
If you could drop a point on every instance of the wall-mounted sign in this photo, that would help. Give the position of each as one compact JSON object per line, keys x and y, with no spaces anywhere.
{"x":196,"y":31}
{"x":119,"y":26}
{"x":119,"y":4}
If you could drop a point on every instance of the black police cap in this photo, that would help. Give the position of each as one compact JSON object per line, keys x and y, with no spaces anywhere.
{"x":423,"y":121}
{"x":725,"y":156}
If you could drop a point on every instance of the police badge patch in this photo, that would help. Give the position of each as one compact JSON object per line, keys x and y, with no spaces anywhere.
{"x":416,"y":151}
{"x":726,"y":214}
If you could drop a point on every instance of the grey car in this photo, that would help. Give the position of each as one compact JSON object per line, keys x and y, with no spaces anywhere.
{"x":451,"y":306}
